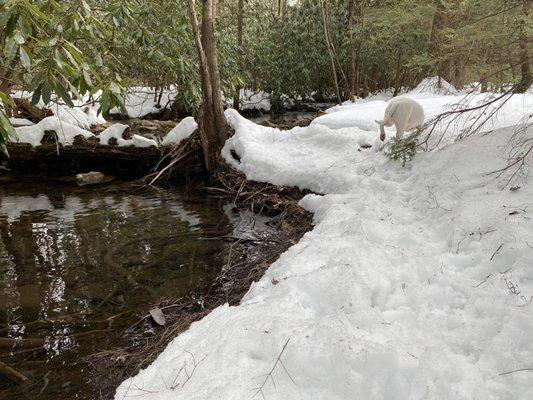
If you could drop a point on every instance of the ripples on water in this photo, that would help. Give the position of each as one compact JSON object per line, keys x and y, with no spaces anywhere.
{"x":62,"y":253}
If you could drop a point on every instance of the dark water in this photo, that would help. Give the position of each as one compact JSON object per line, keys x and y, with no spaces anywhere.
{"x":79,"y":265}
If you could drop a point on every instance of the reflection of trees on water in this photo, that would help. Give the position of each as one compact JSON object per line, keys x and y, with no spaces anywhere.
{"x":53,"y":251}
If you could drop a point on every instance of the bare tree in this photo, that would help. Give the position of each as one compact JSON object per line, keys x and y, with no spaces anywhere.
{"x":211,"y":121}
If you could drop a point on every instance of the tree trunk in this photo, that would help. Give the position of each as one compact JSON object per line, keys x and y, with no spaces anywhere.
{"x":210,"y":48}
{"x":240,"y":17}
{"x":435,"y":37}
{"x":525,"y":62}
{"x":354,"y":10}
{"x":211,"y":121}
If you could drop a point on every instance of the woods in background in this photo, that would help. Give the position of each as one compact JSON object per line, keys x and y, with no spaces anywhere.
{"x":288,"y":48}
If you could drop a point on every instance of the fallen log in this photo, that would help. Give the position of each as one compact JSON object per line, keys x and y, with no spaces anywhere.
{"x":89,"y":155}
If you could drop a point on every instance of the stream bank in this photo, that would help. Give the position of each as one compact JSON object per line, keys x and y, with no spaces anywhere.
{"x":120,"y":342}
{"x":147,"y":339}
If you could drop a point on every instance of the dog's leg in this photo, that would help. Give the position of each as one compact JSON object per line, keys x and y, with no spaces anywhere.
{"x":401,"y":116}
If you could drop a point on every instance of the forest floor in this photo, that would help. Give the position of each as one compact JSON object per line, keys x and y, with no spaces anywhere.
{"x":414,"y":283}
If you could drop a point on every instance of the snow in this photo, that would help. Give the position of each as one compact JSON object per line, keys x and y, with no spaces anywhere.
{"x":363,"y":113}
{"x":415,"y":283}
{"x":84,"y":114}
{"x":137,"y":141}
{"x":114,"y":131}
{"x":65,"y":132}
{"x":435,"y":85}
{"x":181,"y":131}
{"x":20,"y":121}
{"x":140,"y":101}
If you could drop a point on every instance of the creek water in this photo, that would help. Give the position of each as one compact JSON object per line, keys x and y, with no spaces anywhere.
{"x":78,"y":265}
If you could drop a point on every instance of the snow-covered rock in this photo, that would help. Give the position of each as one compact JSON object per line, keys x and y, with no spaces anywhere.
{"x":181,"y":131}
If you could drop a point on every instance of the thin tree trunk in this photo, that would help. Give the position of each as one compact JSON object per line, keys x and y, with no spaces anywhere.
{"x":352,"y":91}
{"x":211,"y":122}
{"x":330,"y":50}
{"x":525,"y":62}
{"x":210,"y":48}
{"x":240,"y":27}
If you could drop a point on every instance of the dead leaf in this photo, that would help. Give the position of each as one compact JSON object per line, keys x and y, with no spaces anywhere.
{"x":275,"y":281}
{"x":158,"y":316}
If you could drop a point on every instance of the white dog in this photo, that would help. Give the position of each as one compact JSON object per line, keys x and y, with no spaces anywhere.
{"x":405,"y":114}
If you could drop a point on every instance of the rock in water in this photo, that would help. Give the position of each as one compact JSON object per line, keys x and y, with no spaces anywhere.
{"x":92,"y":178}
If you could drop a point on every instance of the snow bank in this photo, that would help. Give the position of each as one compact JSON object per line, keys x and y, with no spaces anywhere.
{"x":363,"y":113}
{"x":435,"y":85}
{"x":65,"y":132}
{"x":415,"y":283}
{"x":181,"y":131}
{"x":314,"y":157}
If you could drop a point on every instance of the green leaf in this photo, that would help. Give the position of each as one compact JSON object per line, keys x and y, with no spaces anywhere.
{"x":36,"y":95}
{"x":24,"y":58}
{"x":4,"y":17}
{"x":59,"y":59}
{"x":10,"y":26}
{"x":19,"y":39}
{"x":6,"y":100}
{"x":87,"y":79}
{"x":46,"y":92}
{"x":6,"y":129}
{"x":104,"y":102}
{"x":63,"y":93}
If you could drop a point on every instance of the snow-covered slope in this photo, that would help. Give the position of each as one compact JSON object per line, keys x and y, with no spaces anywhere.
{"x":364,"y":112}
{"x":415,"y":283}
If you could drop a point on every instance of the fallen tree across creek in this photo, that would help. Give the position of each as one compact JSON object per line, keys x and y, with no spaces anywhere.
{"x":89,"y":155}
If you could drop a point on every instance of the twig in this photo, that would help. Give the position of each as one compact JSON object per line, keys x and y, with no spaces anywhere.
{"x":498,"y":249}
{"x":268,"y":376}
{"x":516,"y":370}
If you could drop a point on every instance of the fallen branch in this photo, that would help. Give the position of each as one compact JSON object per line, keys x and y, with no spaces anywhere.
{"x":12,"y":373}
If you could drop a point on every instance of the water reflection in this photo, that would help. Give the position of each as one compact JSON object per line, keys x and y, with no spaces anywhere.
{"x":75,"y":262}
